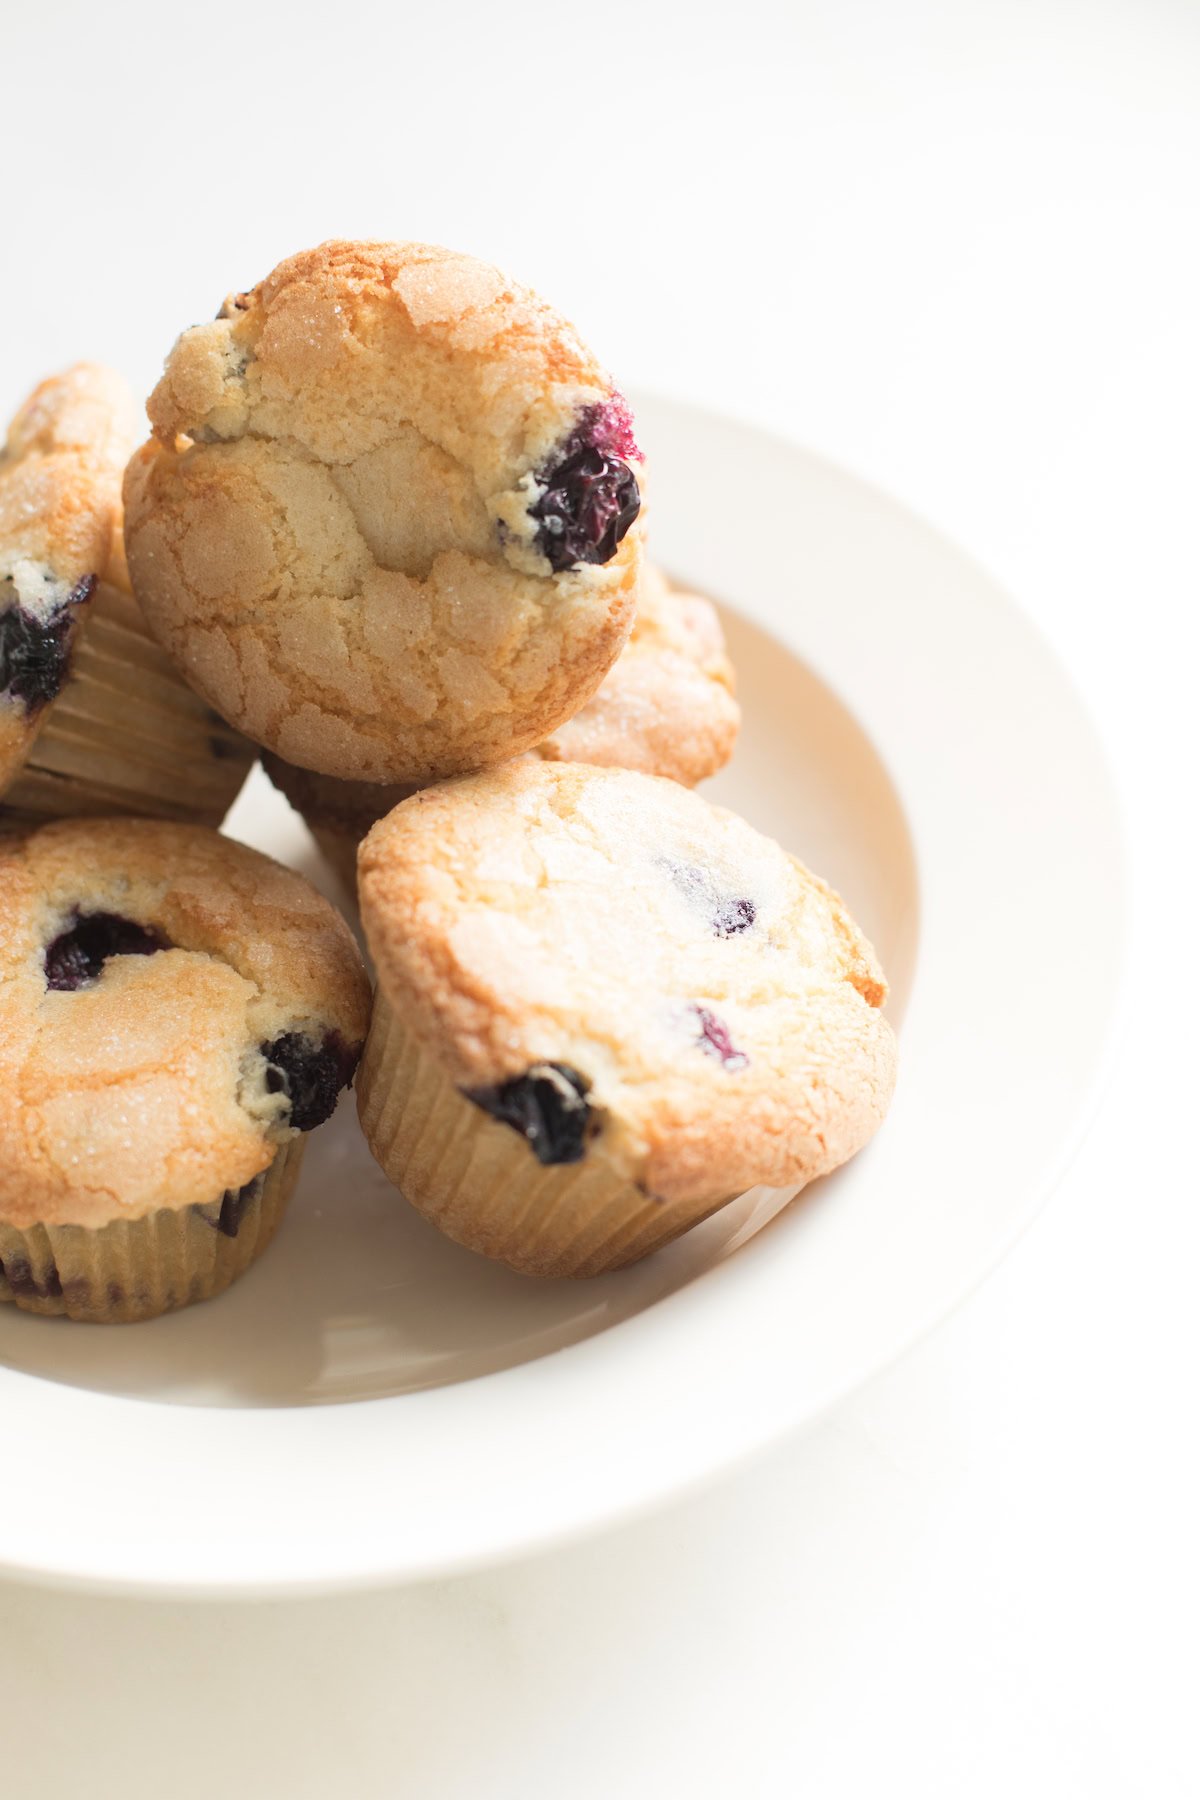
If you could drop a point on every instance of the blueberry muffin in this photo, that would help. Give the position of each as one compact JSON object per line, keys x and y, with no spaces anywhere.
{"x":60,"y":495}
{"x":93,"y":716}
{"x":666,"y":707}
{"x":388,"y":520}
{"x":604,"y":1008}
{"x":177,"y":1012}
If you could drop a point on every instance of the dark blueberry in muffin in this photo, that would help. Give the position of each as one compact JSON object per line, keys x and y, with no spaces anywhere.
{"x":18,"y":1272}
{"x":733,"y":916}
{"x":78,"y":954}
{"x":236,"y":1204}
{"x":728,"y":914}
{"x":35,"y":652}
{"x":547,"y":1105}
{"x":590,"y":495}
{"x":714,"y":1037}
{"x":311,"y":1074}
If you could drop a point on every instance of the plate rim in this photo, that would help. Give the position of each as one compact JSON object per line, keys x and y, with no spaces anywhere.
{"x":92,"y":1571}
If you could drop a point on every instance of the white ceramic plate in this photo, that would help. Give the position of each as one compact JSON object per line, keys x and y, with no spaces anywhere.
{"x":372,"y":1403}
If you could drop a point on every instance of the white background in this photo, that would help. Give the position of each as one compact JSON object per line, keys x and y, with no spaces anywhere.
{"x":955,"y":247}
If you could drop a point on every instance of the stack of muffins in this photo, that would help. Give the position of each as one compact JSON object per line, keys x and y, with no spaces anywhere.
{"x":387,"y":533}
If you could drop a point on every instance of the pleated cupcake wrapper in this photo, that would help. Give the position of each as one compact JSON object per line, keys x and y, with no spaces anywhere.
{"x":127,"y":735}
{"x":340,"y":850}
{"x":479,"y":1181}
{"x":133,"y":1269}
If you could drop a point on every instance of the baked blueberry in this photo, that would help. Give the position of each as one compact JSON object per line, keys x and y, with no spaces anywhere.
{"x":727,"y":914}
{"x":311,"y":1074}
{"x":589,"y":497}
{"x":25,"y":1285}
{"x":35,"y":651}
{"x":235,"y":1205}
{"x":714,"y":1037}
{"x":547,"y":1105}
{"x":77,"y":955}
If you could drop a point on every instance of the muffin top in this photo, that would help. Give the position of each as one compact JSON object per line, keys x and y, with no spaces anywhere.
{"x":666,"y":706}
{"x":172,"y":1007}
{"x":618,"y":969}
{"x":389,"y":516}
{"x":60,"y":492}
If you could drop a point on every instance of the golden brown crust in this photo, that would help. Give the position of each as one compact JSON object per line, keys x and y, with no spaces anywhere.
{"x":86,"y":411}
{"x":145,"y":1087}
{"x":717,"y":998}
{"x":666,"y":707}
{"x":330,"y":530}
{"x":60,"y":492}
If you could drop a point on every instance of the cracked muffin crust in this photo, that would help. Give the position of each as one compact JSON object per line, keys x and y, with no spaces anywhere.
{"x":60,"y":493}
{"x":627,"y":1004}
{"x":388,"y":520}
{"x":175,"y":1011}
{"x":665,"y":707}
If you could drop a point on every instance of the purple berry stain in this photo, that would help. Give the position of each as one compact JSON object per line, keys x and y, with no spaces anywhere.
{"x":735,"y":916}
{"x":715,"y":1039}
{"x":590,"y":496}
{"x":311,"y":1074}
{"x":35,"y":653}
{"x":77,"y":955}
{"x":547,"y":1105}
{"x":728,"y":914}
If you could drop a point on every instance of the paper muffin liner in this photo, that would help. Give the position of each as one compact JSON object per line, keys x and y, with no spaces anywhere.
{"x":132,"y":1269}
{"x":127,"y":734}
{"x":338,"y":813}
{"x":479,"y":1182}
{"x":340,"y":850}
